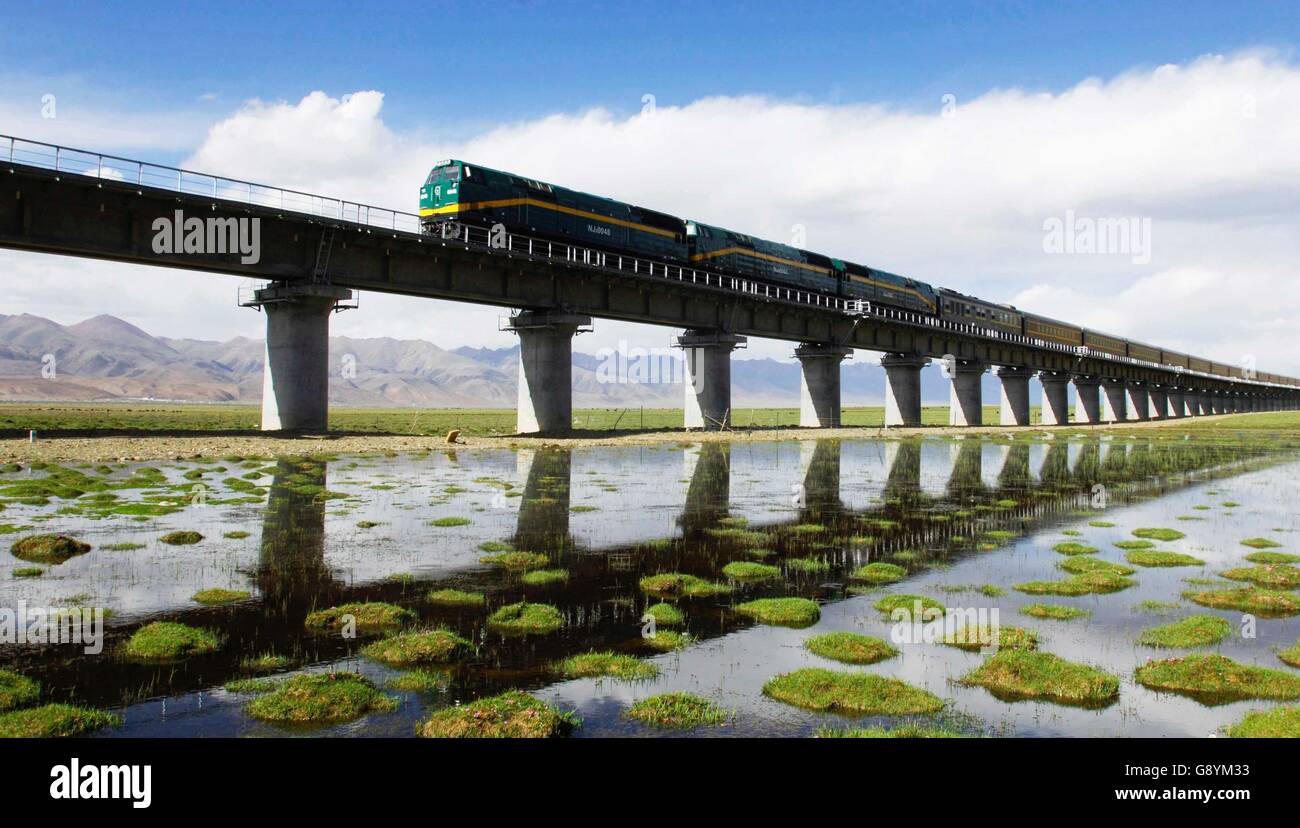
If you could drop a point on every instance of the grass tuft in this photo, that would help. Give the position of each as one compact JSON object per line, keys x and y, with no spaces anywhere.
{"x":53,"y":721}
{"x":48,"y":549}
{"x":680,"y":584}
{"x":511,"y":715}
{"x":1153,"y":558}
{"x":1265,"y":602}
{"x":608,"y":663}
{"x":320,"y":698}
{"x":879,"y":573}
{"x":851,"y":693}
{"x":215,"y":597}
{"x":784,"y":612}
{"x":1056,"y":612}
{"x":1158,"y":533}
{"x":181,"y":538}
{"x":456,"y":598}
{"x":677,"y":711}
{"x":17,"y":690}
{"x":1192,"y":631}
{"x":1215,"y":679}
{"x":1278,"y":723}
{"x":415,"y":647}
{"x":164,"y":641}
{"x":850,"y":648}
{"x":372,"y":616}
{"x":1015,"y":675}
{"x":524,"y":618}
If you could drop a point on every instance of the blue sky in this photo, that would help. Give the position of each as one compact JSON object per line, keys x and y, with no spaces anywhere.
{"x":516,"y":60}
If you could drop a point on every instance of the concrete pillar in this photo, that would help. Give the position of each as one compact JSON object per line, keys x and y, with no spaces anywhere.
{"x":1056,"y":397}
{"x":819,"y":386}
{"x":1137,"y":404}
{"x":545,"y":370}
{"x":1174,"y":407}
{"x":1205,"y":402}
{"x":1015,"y":395}
{"x":295,"y":376}
{"x":965,"y":403}
{"x":708,"y":377}
{"x":1087,"y":409}
{"x":1113,"y":395}
{"x":1215,"y":402}
{"x":1158,"y":402}
{"x":903,"y":388}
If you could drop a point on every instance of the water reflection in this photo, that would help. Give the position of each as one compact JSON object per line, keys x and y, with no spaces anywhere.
{"x":608,"y":517}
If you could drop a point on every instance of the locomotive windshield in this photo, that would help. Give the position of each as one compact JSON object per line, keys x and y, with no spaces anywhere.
{"x":449,"y":172}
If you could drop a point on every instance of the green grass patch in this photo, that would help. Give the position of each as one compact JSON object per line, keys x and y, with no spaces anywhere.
{"x":750,"y":571}
{"x":1260,"y":543}
{"x":237,"y":534}
{"x":320,"y":698}
{"x":904,"y":731}
{"x":784,"y":612}
{"x":54,"y":721}
{"x":456,"y":598}
{"x":545,"y":577}
{"x":1074,"y":548}
{"x":1015,"y":675}
{"x":407,"y":649}
{"x":1272,"y":558}
{"x":516,"y":560}
{"x":677,"y":711}
{"x":606,"y":664}
{"x":371,"y":616}
{"x":1157,"y":607}
{"x":1156,"y":557}
{"x":681,"y":584}
{"x":1088,"y":583}
{"x":419,"y":681}
{"x":1135,"y":544}
{"x":908,"y":605}
{"x":1291,"y":655}
{"x":666,"y":641}
{"x":974,"y":639}
{"x":265,"y":663}
{"x":48,"y":549}
{"x":524,"y":618}
{"x":1192,"y":631}
{"x":665,"y":615}
{"x":1278,"y":723}
{"x":1271,"y":576}
{"x":1055,"y":612}
{"x":851,"y":693}
{"x":879,"y":573}
{"x":850,"y":648}
{"x":1268,"y":603}
{"x":27,"y":572}
{"x":251,"y":686}
{"x":17,"y":690}
{"x":164,"y":641}
{"x":1214,"y":679}
{"x":445,"y":522}
{"x":1158,"y":533}
{"x":1080,"y":565}
{"x":1101,"y":524}
{"x":184,"y":537}
{"x":215,"y":596}
{"x":511,"y":715}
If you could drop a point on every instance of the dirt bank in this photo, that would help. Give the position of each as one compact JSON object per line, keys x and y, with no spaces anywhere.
{"x":176,"y":447}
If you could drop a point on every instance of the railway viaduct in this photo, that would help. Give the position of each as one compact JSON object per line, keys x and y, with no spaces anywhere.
{"x":315,"y":252}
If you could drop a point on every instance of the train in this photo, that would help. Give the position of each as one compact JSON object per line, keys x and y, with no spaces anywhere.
{"x":470,"y":194}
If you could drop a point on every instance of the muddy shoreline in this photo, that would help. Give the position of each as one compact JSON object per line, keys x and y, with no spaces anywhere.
{"x":171,"y":446}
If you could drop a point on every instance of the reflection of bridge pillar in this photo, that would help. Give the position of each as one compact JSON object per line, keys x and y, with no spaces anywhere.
{"x":1113,"y":397}
{"x":1015,"y":395}
{"x":820,"y":460}
{"x":708,"y":377}
{"x":967,"y":477}
{"x":1174,"y":405}
{"x":291,"y":571}
{"x":1056,"y":397}
{"x":1056,"y":464}
{"x":966,"y":406}
{"x":903,"y":482}
{"x":1087,"y":409}
{"x":903,"y":388}
{"x":1087,"y":467}
{"x":295,"y":376}
{"x":1137,"y":403}
{"x":708,"y":496}
{"x":1015,"y":467}
{"x":819,"y":386}
{"x":545,"y":369}
{"x":543,"y":523}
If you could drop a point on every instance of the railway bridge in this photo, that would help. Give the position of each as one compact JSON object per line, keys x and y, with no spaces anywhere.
{"x":316,"y":252}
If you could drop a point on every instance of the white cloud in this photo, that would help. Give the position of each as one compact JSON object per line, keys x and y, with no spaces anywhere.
{"x":1205,"y":150}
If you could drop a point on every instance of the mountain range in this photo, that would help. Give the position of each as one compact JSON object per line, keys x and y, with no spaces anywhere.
{"x":105,"y":358}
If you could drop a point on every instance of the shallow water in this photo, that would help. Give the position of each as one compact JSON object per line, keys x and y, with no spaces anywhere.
{"x":613,"y":515}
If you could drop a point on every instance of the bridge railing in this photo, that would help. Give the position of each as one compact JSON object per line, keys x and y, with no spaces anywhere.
{"x":156,"y":176}
{"x":142,"y":174}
